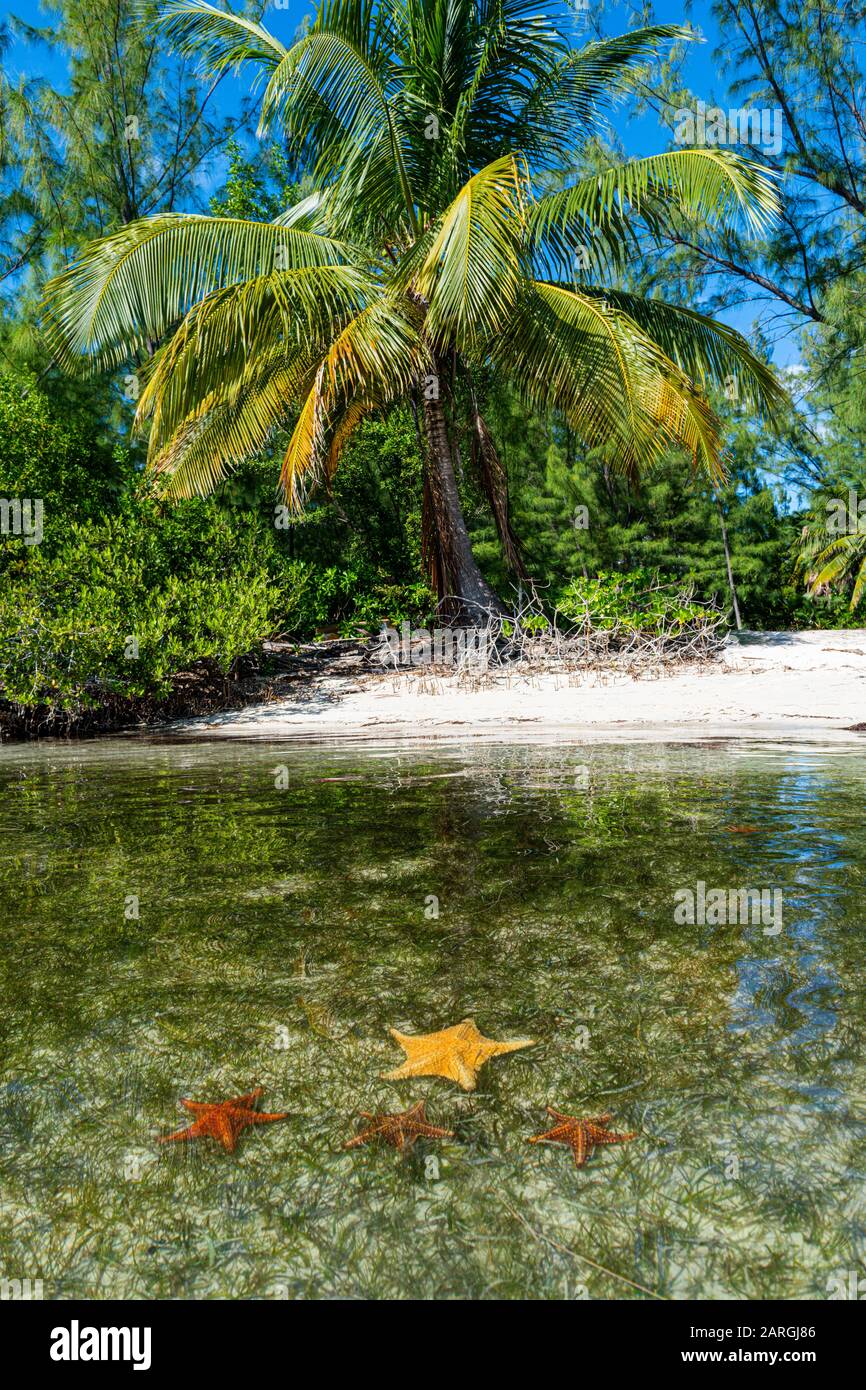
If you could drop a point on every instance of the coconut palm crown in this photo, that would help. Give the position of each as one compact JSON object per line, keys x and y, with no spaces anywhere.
{"x":833,"y":556}
{"x":430,"y":249}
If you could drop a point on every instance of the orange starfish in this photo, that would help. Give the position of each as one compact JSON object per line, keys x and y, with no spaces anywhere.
{"x":582,"y":1135}
{"x":223,"y":1120}
{"x":400,"y":1130}
{"x":457,"y":1053}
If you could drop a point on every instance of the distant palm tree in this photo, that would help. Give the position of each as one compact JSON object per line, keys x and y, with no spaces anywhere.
{"x":423,"y":254}
{"x":827,"y":559}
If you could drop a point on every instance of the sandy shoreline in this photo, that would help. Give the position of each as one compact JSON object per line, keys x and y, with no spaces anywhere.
{"x":806,"y":685}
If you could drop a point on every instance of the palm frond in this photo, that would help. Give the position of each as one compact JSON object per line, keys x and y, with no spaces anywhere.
{"x":482,"y":87}
{"x":381,"y":350}
{"x":127,"y":289}
{"x":348,"y":91}
{"x":705,"y":349}
{"x":471,"y":268}
{"x":331,"y":90}
{"x":305,"y":449}
{"x":576,"y":354}
{"x":569,"y":101}
{"x":231,"y":425}
{"x":219,"y":39}
{"x":712,"y":186}
{"x":354,"y":414}
{"x":839,"y":561}
{"x":375,"y":359}
{"x":293,"y":311}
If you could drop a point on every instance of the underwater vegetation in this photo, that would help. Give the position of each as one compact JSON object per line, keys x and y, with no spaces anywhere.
{"x":175,"y":924}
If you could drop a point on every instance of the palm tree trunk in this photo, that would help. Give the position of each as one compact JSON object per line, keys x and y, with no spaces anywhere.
{"x":495,"y":484}
{"x":464,"y":593}
{"x":731,"y":585}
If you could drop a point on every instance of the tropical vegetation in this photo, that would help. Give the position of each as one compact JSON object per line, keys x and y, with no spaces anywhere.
{"x":429,"y":340}
{"x":426,"y":251}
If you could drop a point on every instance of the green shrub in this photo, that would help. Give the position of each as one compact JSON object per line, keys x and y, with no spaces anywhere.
{"x":99,"y":619}
{"x":125,"y":592}
{"x":640,"y":601}
{"x":57,"y":457}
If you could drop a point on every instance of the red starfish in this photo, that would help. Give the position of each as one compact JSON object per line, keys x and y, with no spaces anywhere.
{"x":400,"y":1130}
{"x":223,"y":1120}
{"x":582,"y":1135}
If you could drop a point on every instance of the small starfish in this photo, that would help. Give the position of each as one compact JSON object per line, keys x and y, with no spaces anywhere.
{"x":456,"y":1053}
{"x":743,"y":829}
{"x":223,"y":1120}
{"x":400,"y":1130}
{"x":582,"y":1135}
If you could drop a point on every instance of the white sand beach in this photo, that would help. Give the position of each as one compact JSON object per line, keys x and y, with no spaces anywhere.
{"x":806,"y":684}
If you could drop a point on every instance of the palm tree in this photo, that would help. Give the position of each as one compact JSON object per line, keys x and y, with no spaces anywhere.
{"x":830,"y":558}
{"x":427,"y":252}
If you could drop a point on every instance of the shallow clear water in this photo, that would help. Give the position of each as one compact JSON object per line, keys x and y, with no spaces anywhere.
{"x":282,"y":929}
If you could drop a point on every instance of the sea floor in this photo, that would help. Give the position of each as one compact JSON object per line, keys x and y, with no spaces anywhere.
{"x":193,"y":920}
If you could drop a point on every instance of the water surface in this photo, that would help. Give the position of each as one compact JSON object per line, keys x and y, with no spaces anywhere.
{"x":184,"y":920}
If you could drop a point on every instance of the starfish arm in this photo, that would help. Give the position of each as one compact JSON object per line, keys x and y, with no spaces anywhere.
{"x":359,"y":1139}
{"x":605,"y":1137}
{"x":373,"y":1130}
{"x":224,"y":1131}
{"x":398,"y":1074}
{"x":263,"y":1117}
{"x":196,"y":1106}
{"x":463,"y":1074}
{"x":246,"y":1102}
{"x":434,"y":1132}
{"x":515,"y":1046}
{"x":192,"y":1132}
{"x":560,"y":1134}
{"x":579,"y":1146}
{"x":451,"y":1066}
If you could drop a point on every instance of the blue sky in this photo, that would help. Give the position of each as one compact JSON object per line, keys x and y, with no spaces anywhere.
{"x":639,"y":135}
{"x":283,"y":19}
